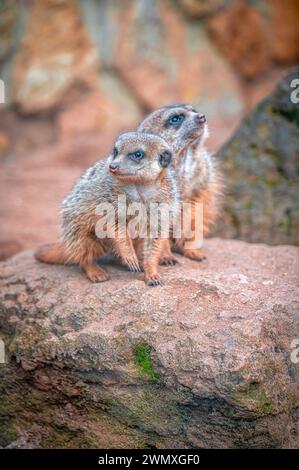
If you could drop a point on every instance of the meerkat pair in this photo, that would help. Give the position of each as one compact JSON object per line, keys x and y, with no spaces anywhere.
{"x":139,"y":168}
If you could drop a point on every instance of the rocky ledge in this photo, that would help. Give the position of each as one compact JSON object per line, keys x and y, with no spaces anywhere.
{"x":204,"y":361}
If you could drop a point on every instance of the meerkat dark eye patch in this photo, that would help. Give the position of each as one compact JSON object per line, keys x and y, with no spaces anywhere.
{"x":175,"y":120}
{"x":115,"y":152}
{"x":165,"y":158}
{"x":136,"y":156}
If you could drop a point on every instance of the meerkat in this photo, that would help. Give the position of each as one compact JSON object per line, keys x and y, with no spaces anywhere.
{"x":139,"y":168}
{"x":198,"y":178}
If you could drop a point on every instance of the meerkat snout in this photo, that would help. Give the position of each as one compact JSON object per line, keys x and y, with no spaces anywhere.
{"x":200,"y":118}
{"x":165,"y":158}
{"x":113,"y":167}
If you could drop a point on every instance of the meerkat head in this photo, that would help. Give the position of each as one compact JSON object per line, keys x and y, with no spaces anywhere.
{"x":139,"y":158}
{"x":179,"y":124}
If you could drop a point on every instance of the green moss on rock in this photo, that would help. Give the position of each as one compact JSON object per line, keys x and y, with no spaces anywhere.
{"x":8,"y":432}
{"x":144,"y":362}
{"x":264,"y":405}
{"x":66,"y":439}
{"x":254,"y":398}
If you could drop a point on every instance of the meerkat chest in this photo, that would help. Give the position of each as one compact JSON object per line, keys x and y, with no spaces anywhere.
{"x":143,"y":194}
{"x":194,"y":171}
{"x":187,"y":168}
{"x":132,"y":194}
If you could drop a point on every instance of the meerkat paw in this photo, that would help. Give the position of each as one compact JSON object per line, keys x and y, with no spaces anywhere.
{"x":168,"y":260}
{"x":96,"y":274}
{"x":194,"y":254}
{"x":133,"y":265}
{"x":154,"y":280}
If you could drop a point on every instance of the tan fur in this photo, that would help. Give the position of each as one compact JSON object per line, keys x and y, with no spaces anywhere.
{"x":51,"y":253}
{"x":148,"y":181}
{"x":197,"y":173}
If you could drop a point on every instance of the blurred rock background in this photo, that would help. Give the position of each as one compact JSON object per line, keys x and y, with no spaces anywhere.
{"x":78,"y":72}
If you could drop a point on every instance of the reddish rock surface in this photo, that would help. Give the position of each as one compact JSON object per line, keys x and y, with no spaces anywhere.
{"x":196,"y":9}
{"x":54,"y":54}
{"x":239,"y":32}
{"x":100,"y":67}
{"x":216,"y":340}
{"x":285,"y":31}
{"x":253,"y":36}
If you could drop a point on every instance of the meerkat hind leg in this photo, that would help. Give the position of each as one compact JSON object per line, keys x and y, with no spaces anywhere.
{"x":167,"y":258}
{"x":95,"y":273}
{"x":91,"y":250}
{"x":192,"y":253}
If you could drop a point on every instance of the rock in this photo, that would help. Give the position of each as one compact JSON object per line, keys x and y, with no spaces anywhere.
{"x":59,"y":75}
{"x":187,"y":68}
{"x":8,"y":10}
{"x":260,"y":164}
{"x":9,"y":248}
{"x":284,"y":21}
{"x":257,"y":90}
{"x":196,"y":9}
{"x":100,"y":67}
{"x":96,"y":113}
{"x":187,"y":365}
{"x":275,"y":38}
{"x":242,"y":42}
{"x":62,"y":57}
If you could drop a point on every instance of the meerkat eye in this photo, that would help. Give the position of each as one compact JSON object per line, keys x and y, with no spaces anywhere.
{"x":138,"y":155}
{"x":175,"y":120}
{"x":115,"y":152}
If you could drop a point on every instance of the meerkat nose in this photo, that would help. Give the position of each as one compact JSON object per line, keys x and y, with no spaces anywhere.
{"x":113,"y":167}
{"x":201,"y":118}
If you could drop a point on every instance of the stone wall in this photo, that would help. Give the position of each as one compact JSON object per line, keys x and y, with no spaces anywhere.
{"x":76,"y":67}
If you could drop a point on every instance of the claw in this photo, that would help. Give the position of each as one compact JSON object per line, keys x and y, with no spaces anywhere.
{"x":196,"y":255}
{"x":168,"y":261}
{"x":155,"y":281}
{"x":133,"y":266}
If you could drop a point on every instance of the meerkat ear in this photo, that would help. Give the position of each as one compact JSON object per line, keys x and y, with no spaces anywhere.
{"x":165,"y":158}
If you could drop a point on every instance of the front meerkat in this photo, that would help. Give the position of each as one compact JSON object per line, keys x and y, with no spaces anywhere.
{"x":138,"y":168}
{"x":198,"y":179}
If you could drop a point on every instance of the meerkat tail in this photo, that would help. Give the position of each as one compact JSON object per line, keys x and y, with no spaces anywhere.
{"x":52,"y":253}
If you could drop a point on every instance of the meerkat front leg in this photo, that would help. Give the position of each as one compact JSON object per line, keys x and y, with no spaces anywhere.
{"x":151,"y":256}
{"x":94,"y":272}
{"x":124,"y":249}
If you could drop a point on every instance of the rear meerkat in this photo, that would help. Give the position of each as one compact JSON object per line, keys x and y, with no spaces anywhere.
{"x":138,"y":168}
{"x":198,"y":178}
